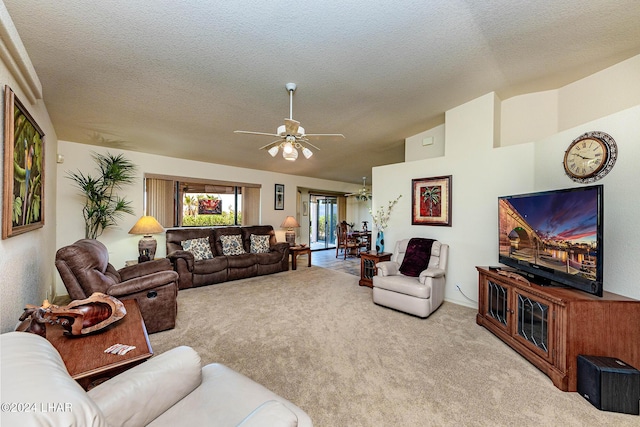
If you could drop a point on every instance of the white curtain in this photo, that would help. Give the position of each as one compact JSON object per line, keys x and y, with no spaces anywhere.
{"x":161,"y":200}
{"x":250,"y":206}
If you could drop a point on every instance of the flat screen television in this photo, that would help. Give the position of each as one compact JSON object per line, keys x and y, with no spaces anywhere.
{"x":555,"y":237}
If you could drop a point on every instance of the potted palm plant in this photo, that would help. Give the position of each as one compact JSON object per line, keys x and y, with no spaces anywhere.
{"x":103,"y":207}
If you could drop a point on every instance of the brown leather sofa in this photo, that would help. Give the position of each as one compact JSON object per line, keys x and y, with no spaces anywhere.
{"x":221,"y":268}
{"x":84,"y":268}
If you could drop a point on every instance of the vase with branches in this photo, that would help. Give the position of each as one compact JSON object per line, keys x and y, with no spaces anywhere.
{"x":103,"y":207}
{"x":381,"y":220}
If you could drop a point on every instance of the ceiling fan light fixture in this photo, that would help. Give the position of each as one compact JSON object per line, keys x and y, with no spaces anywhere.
{"x":291,"y":156}
{"x":273,"y":151}
{"x":291,"y":135}
{"x":363,"y":195}
{"x":287,"y":148}
{"x":306,"y":152}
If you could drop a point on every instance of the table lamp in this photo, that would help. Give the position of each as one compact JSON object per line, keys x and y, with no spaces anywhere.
{"x":290,"y":223}
{"x":147,"y":225}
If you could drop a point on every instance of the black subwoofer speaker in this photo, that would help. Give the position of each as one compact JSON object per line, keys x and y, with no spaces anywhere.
{"x":609,"y":384}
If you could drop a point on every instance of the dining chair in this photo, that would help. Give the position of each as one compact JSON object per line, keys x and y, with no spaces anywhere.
{"x":348,"y":244}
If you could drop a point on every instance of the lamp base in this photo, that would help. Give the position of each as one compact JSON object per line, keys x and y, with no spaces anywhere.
{"x":147,"y":248}
{"x":290,"y":237}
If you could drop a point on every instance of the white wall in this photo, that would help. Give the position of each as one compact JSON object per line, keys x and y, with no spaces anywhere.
{"x":614,"y":89}
{"x":357,"y":212}
{"x":529,"y":117}
{"x":26,"y":260}
{"x":481,"y":173}
{"x":415,"y":150}
{"x":123,"y":246}
{"x":621,"y":193}
{"x":534,"y":116}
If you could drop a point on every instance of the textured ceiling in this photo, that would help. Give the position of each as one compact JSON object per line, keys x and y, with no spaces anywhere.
{"x":177,"y":78}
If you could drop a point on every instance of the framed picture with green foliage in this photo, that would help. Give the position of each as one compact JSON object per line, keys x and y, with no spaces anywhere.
{"x":431,"y":201}
{"x":23,"y":197}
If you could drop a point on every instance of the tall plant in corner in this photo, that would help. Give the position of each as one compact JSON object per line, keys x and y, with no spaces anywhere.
{"x":103,"y":207}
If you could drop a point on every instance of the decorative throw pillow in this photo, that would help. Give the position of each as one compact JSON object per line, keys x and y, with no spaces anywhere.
{"x":232,"y":245}
{"x":259,"y":244}
{"x":416,"y":258}
{"x":200,"y":248}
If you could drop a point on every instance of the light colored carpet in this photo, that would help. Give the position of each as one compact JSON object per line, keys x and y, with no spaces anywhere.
{"x":315,"y":337}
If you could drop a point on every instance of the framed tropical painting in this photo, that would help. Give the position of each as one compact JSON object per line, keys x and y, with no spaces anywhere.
{"x":23,"y":197}
{"x":431,"y":201}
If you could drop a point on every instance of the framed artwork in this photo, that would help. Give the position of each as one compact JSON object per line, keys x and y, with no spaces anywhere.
{"x":279,"y":197}
{"x":210,"y":207}
{"x":305,"y":208}
{"x":23,"y":197}
{"x":431,"y":201}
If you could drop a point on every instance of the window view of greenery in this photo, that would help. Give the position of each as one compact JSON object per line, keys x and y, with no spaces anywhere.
{"x":202,"y":209}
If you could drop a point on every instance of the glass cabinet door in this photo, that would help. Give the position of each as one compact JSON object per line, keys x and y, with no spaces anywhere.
{"x":533,"y":324}
{"x":497,"y":304}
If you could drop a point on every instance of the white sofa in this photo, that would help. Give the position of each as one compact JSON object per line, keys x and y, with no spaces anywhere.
{"x":171,"y":389}
{"x":419,"y":296}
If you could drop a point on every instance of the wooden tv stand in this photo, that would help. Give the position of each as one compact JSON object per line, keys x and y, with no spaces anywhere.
{"x":551,"y":326}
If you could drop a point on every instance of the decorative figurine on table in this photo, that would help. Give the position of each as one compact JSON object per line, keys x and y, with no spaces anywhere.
{"x":79,"y":317}
{"x":365,"y":226}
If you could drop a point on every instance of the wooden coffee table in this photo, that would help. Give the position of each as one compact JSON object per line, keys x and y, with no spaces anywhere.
{"x":85,"y":358}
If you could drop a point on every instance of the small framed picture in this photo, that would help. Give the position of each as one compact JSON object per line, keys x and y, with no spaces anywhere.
{"x":431,"y":201}
{"x":305,"y":208}
{"x":279,"y":197}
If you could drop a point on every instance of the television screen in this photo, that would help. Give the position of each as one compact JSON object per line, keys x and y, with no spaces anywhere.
{"x":556,"y":236}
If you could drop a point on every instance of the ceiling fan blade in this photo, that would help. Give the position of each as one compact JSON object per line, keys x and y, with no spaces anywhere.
{"x":277,"y":141}
{"x":292,"y":132}
{"x":255,"y":133}
{"x":310,"y":144}
{"x":291,"y":126}
{"x":368,"y":195}
{"x":324,"y":135}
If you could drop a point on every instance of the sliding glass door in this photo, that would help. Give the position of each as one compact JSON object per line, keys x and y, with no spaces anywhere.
{"x":324,"y":217}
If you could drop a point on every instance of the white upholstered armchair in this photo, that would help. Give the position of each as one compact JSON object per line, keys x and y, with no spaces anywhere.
{"x":406,"y":284}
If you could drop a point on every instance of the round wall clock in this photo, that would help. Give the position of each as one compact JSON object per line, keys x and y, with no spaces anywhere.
{"x":590,"y":157}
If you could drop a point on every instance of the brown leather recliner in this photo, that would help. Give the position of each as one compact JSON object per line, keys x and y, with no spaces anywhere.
{"x":85,"y":269}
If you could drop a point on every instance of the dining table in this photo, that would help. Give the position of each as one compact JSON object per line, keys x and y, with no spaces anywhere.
{"x":363,"y":238}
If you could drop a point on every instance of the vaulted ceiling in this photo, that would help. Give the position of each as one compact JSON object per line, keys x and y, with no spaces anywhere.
{"x":177,"y":78}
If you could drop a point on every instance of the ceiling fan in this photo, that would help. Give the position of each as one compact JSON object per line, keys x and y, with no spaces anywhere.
{"x":291,"y":136}
{"x":363,"y":194}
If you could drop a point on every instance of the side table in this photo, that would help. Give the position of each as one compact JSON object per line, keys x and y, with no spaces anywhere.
{"x":368,"y":261}
{"x":84,"y":356}
{"x":299,"y":250}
